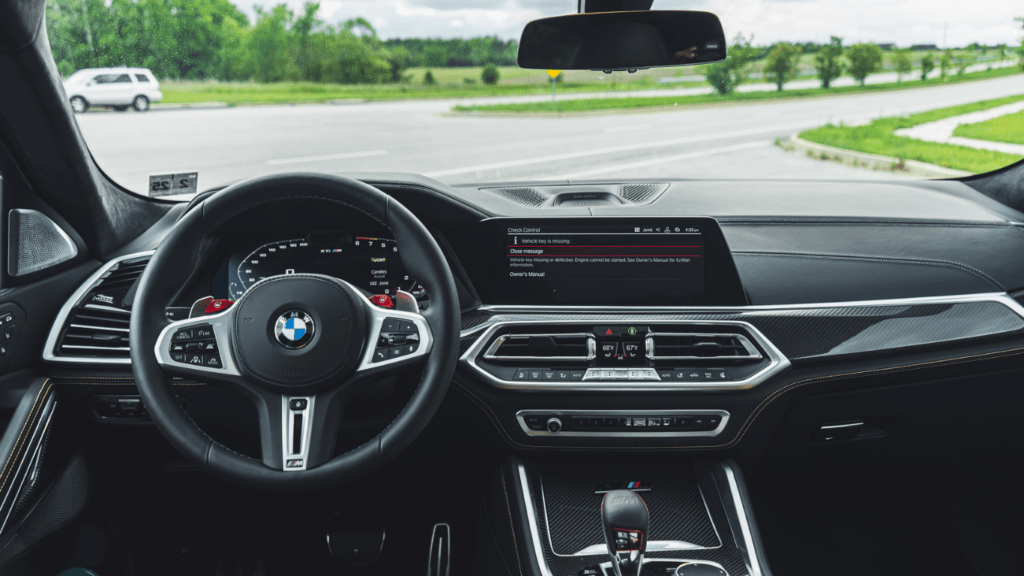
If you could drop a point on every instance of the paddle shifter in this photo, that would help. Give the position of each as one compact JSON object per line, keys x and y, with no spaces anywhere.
{"x":625,"y":519}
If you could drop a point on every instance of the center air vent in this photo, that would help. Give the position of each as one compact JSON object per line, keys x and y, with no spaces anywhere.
{"x":695,"y":346}
{"x":579,"y":347}
{"x":94,"y":327}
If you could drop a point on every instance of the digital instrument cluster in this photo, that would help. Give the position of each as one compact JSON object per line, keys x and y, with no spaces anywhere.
{"x":371,"y":264}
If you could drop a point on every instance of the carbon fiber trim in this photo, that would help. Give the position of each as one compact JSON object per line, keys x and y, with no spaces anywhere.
{"x":691,"y":506}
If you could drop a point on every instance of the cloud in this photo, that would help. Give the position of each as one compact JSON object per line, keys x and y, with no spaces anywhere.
{"x":904,"y":22}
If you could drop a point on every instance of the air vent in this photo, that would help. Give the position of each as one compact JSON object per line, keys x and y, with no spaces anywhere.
{"x":580,"y":347}
{"x":93,"y":326}
{"x":695,"y":346}
{"x":96,"y":333}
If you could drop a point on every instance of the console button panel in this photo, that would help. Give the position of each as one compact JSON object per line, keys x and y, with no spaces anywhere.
{"x":623,"y":423}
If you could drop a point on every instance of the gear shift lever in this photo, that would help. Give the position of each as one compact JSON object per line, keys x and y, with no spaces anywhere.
{"x":625,"y":519}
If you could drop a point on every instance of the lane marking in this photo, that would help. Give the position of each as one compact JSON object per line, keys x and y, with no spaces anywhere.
{"x":623,"y":148}
{"x":663,"y":160}
{"x":341,"y":156}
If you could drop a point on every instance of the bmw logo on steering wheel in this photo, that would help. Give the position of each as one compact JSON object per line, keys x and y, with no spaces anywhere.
{"x":294,"y":329}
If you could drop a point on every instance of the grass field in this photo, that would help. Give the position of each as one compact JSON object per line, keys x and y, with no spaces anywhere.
{"x":451,"y":83}
{"x":878,"y":138}
{"x":1009,"y":128}
{"x":595,"y":104}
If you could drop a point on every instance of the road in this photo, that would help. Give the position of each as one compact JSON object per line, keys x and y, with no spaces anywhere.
{"x":730,"y":141}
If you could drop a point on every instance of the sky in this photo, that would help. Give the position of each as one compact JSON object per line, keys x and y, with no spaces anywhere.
{"x":904,"y":22}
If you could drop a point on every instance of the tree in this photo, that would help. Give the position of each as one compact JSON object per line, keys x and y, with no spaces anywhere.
{"x":780,"y":65}
{"x":302,"y":28}
{"x":965,"y":61}
{"x":944,"y":64}
{"x":864,"y":59}
{"x":490,"y":75}
{"x":1001,"y":51}
{"x":902,"y":63}
{"x":828,"y":61}
{"x":269,"y":43}
{"x":434,"y":56}
{"x":400,"y":60}
{"x":1020,"y":49}
{"x":428,"y":78}
{"x":927,"y":65}
{"x":726,"y":75}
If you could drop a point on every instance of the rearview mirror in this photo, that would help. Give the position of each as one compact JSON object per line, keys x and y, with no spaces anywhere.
{"x":622,"y":40}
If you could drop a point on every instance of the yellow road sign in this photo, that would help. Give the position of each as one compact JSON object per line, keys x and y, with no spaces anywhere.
{"x":554,"y":73}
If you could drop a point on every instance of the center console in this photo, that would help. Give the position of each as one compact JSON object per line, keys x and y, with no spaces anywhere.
{"x":700,"y":522}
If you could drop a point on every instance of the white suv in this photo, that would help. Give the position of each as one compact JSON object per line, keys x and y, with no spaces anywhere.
{"x":118,"y":87}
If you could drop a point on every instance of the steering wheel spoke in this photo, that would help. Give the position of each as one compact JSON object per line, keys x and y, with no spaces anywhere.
{"x":199,"y":348}
{"x":298,"y":432}
{"x":396,"y":340}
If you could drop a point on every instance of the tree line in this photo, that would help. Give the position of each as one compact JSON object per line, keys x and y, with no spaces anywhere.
{"x":832,"y":60}
{"x":213,"y":39}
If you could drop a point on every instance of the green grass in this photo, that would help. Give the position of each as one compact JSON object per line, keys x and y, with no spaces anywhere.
{"x":1009,"y":128}
{"x":878,"y":138}
{"x":592,"y":104}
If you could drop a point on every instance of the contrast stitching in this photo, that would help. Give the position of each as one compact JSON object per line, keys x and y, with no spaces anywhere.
{"x":511,"y":523}
{"x":753,"y":415}
{"x":885,"y":259}
{"x":34,"y":413}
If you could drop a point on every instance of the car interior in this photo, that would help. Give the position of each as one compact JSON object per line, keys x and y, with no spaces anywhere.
{"x":379,"y":373}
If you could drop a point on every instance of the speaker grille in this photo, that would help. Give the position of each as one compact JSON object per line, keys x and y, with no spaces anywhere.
{"x":642,"y":193}
{"x":521,"y":195}
{"x":35,"y":243}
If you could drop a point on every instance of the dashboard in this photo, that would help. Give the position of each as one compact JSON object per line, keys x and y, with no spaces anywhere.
{"x":667,"y":319}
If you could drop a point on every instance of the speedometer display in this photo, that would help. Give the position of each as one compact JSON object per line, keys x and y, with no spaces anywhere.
{"x":371,"y":264}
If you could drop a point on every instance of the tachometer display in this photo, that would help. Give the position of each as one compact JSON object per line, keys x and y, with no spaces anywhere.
{"x":371,"y":264}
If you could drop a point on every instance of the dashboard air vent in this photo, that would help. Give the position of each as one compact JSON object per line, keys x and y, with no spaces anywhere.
{"x":695,"y":346}
{"x":96,"y":333}
{"x":581,"y":347}
{"x":95,"y":328}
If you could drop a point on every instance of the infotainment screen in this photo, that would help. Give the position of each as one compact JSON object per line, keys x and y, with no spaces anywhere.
{"x":604,"y":262}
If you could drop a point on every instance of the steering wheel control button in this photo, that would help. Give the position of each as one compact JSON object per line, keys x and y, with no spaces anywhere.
{"x":183,"y":334}
{"x":295,"y":329}
{"x":380,"y":354}
{"x":211,"y":361}
{"x":297,"y":404}
{"x":204,"y":332}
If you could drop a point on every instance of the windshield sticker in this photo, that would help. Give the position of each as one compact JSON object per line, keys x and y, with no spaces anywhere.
{"x":173,"y":184}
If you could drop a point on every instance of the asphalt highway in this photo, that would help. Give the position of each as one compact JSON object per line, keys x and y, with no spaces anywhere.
{"x":723,"y":141}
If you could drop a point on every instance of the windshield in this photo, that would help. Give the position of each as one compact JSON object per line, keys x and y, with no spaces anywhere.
{"x":810,"y":89}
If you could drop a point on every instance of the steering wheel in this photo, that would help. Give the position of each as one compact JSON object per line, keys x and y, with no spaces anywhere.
{"x":299,"y":347}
